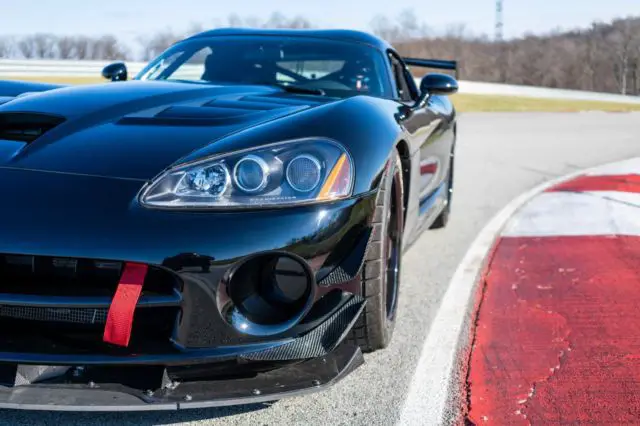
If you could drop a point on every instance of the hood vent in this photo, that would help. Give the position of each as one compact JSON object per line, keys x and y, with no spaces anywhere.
{"x":283,"y":101}
{"x":26,"y":127}
{"x":242,"y":104}
{"x":211,"y":113}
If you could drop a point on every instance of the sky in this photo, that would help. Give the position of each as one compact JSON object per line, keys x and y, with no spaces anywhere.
{"x":133,"y":18}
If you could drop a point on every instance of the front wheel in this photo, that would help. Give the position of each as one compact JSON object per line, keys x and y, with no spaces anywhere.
{"x":380,"y":276}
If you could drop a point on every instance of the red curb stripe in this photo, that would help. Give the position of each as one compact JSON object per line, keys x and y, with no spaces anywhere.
{"x":557,"y":337}
{"x":622,"y":183}
{"x":466,"y":352}
{"x":117,"y":330}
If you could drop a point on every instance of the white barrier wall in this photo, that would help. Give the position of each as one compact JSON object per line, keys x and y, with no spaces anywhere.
{"x":479,"y":88}
{"x":33,"y":68}
{"x":16,"y":69}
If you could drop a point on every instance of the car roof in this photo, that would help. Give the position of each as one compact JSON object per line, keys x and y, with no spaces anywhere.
{"x":339,"y":35}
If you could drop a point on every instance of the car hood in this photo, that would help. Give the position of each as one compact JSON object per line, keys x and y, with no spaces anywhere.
{"x":134,"y":129}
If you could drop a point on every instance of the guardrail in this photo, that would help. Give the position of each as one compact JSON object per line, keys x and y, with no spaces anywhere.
{"x":480,"y":88}
{"x":37,"y":68}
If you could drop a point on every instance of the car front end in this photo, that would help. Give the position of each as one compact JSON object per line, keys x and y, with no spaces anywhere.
{"x":235,"y":307}
{"x":199,"y":238}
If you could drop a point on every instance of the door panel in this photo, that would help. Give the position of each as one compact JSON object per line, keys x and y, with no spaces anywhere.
{"x":435,"y":151}
{"x":431,"y":139}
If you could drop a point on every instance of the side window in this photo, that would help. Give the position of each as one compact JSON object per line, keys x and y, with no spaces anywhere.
{"x":406,"y":88}
{"x":194,"y":67}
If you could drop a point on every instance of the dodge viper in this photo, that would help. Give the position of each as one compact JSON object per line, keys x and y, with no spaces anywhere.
{"x":227,"y":227}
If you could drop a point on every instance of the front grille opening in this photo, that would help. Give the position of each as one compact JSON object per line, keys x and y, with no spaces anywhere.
{"x":84,"y":316}
{"x":26,"y":127}
{"x":55,"y":276}
{"x":43,"y":323}
{"x":27,"y":333}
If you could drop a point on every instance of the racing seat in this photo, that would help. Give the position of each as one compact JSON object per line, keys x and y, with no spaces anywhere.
{"x":356,"y":74}
{"x":228,"y":67}
{"x":219,"y":66}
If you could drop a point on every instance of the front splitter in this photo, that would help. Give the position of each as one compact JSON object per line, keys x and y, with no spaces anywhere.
{"x":292,"y":380}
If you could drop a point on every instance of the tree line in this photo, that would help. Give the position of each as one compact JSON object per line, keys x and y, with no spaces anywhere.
{"x":604,"y":57}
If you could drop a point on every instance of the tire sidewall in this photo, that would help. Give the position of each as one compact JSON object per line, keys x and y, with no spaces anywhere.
{"x":394,"y":175}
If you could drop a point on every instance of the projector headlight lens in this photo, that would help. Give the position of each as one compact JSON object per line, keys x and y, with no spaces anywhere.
{"x":304,"y":173}
{"x":251,"y":174}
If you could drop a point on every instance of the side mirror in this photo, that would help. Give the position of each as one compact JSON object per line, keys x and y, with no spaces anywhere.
{"x":436,"y":84}
{"x":115,"y":72}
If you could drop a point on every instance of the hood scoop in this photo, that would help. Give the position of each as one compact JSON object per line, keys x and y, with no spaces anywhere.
{"x":213,"y":113}
{"x":26,"y":127}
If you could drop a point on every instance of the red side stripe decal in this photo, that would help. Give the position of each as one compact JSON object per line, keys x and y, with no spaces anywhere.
{"x":621,"y":183}
{"x":117,"y":330}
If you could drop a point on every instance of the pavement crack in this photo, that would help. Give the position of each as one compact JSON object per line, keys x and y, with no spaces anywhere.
{"x":562,"y":359}
{"x":601,"y":196}
{"x":524,"y":401}
{"x":472,"y":344}
{"x":538,"y":171}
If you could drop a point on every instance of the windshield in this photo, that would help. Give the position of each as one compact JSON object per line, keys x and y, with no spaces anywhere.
{"x":333,"y":67}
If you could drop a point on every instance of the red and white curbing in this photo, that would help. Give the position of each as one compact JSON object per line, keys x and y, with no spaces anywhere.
{"x":557,"y":337}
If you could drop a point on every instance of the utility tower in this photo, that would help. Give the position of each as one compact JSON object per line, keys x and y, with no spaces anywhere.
{"x":499,"y":21}
{"x":502,"y":60}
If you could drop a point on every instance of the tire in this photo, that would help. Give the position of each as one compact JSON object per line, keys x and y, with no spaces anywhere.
{"x":380,"y":276}
{"x":443,"y":219}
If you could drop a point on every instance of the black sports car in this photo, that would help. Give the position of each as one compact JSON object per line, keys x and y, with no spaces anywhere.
{"x":226,"y":228}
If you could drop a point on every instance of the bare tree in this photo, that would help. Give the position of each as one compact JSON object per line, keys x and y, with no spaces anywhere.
{"x":5,"y":47}
{"x":625,"y":41}
{"x":108,"y":47}
{"x":299,"y":22}
{"x":157,"y":44}
{"x":26,"y":48}
{"x":66,"y":47}
{"x":278,"y":20}
{"x":384,"y":28}
{"x":43,"y":45}
{"x":235,"y":21}
{"x":82,"y":47}
{"x":591,"y":51}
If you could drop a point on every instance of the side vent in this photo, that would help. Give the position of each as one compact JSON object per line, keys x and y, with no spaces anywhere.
{"x":26,"y":127}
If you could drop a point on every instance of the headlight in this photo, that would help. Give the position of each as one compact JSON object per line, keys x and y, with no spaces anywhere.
{"x":287,"y":173}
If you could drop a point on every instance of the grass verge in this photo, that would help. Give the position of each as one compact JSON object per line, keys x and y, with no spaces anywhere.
{"x":463,"y":102}
{"x":496,"y":103}
{"x":64,"y":80}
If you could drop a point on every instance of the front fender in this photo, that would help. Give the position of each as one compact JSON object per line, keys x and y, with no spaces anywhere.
{"x":367,"y":127}
{"x":11,"y":88}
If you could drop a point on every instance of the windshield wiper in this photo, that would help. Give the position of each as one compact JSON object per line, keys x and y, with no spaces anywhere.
{"x":292,"y":88}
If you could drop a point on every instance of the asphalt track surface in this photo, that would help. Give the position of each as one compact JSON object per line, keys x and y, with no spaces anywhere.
{"x":499,"y":156}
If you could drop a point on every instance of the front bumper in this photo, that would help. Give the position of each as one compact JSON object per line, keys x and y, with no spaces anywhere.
{"x":211,"y":362}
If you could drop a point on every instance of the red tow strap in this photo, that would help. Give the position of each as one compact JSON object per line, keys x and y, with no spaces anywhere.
{"x":117,"y":330}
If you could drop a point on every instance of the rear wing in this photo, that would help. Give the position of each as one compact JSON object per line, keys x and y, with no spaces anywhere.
{"x":438,"y":64}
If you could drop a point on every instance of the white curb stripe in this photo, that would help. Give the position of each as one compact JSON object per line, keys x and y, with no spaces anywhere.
{"x":626,"y":167}
{"x":574,"y":214}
